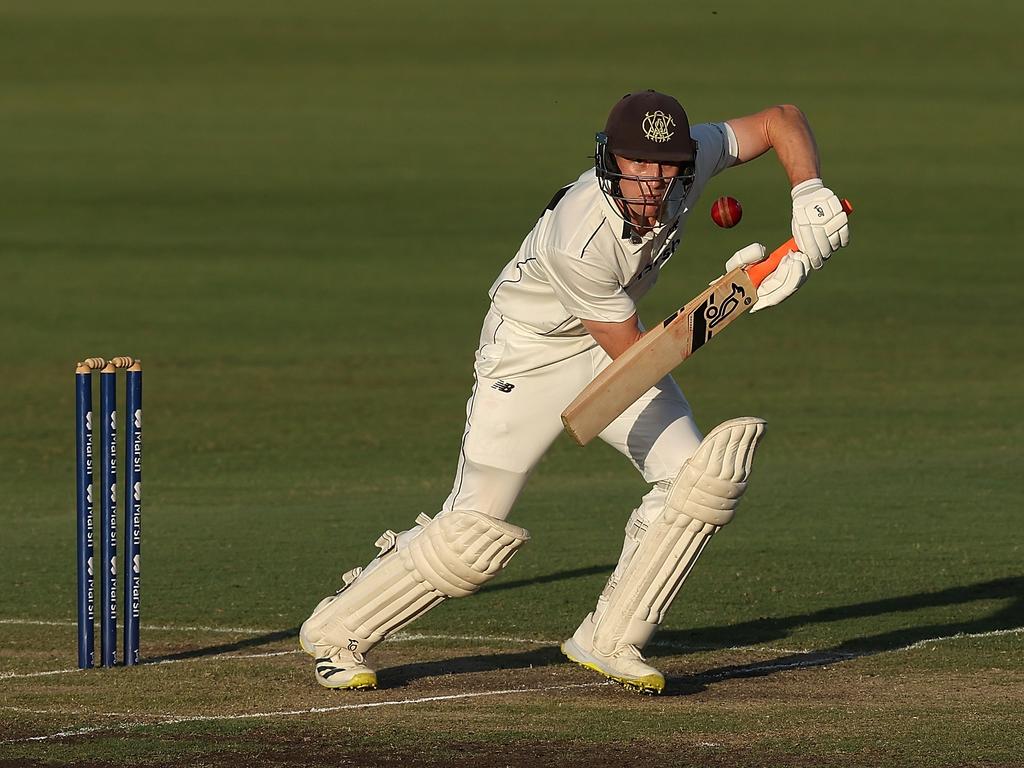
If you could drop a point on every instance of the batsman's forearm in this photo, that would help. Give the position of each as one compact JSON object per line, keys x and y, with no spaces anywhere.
{"x":791,"y":137}
{"x":615,"y":338}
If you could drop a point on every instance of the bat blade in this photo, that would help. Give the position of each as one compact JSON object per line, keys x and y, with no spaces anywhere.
{"x":655,"y":354}
{"x":664,"y":347}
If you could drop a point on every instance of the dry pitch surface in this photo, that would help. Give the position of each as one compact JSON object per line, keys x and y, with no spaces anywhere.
{"x":219,"y":696}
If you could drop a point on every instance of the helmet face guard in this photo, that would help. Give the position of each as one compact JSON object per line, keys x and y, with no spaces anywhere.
{"x":649,"y":127}
{"x":609,"y":178}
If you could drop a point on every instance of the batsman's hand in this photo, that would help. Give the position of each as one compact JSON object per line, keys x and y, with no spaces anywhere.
{"x":820,"y":225}
{"x":778,"y":286}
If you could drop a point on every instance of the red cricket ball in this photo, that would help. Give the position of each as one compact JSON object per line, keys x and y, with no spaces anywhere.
{"x":726,"y":212}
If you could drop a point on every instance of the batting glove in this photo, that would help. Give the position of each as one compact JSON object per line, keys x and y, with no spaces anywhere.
{"x":780,"y":284}
{"x":819,"y":222}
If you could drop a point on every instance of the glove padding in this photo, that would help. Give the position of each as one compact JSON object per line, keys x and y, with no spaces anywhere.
{"x":820,"y":225}
{"x":780,"y":284}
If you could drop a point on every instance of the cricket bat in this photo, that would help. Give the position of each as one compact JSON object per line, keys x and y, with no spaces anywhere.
{"x":665,"y":346}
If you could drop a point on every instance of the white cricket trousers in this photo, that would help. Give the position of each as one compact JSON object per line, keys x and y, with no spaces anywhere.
{"x":513,"y":416}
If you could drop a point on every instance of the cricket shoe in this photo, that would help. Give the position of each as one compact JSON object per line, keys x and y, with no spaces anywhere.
{"x":336,"y":667}
{"x":626,"y":666}
{"x":341,"y":669}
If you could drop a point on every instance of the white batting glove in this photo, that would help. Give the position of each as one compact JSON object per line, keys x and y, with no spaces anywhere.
{"x":780,"y":284}
{"x":820,"y":225}
{"x":744,"y":257}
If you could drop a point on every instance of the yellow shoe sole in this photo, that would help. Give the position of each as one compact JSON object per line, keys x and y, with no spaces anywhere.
{"x":646,"y":684}
{"x":364,"y":681}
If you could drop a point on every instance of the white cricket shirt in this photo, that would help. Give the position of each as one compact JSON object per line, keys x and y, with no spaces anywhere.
{"x":581,"y":261}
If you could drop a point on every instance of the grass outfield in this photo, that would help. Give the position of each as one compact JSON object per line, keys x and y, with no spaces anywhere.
{"x":293,"y":216}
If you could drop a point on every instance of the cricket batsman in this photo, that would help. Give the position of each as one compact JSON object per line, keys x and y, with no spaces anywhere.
{"x":561,"y":310}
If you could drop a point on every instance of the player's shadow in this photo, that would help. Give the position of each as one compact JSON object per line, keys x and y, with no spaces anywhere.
{"x":590,"y":570}
{"x":403,"y":674}
{"x":234,"y":646}
{"x":292,"y":633}
{"x":1009,"y":617}
{"x":761,"y":631}
{"x":721,"y":637}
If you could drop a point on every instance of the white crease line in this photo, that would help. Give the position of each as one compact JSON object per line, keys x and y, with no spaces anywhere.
{"x":173,"y":720}
{"x":824,"y":656}
{"x":226,"y":657}
{"x":68,"y":712}
{"x":58,"y":735}
{"x":488,"y":638}
{"x":263,"y":631}
{"x":673,"y":646}
{"x":16,"y":675}
{"x":375,"y":704}
{"x":234,"y":656}
{"x":411,"y":636}
{"x":961,"y":636}
{"x":213,"y":657}
{"x":151,"y":627}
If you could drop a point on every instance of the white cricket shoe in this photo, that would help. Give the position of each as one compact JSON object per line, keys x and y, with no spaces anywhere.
{"x":342,"y":669}
{"x":335,"y":667}
{"x":627,"y":666}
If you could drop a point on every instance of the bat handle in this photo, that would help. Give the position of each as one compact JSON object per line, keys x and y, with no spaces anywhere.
{"x":758,"y":272}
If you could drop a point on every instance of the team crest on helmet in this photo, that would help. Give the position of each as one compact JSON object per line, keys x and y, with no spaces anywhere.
{"x":656,"y":126}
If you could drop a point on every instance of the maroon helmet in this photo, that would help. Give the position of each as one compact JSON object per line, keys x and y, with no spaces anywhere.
{"x":645,"y":126}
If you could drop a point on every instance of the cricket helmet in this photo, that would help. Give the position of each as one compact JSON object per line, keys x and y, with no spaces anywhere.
{"x":648,"y":126}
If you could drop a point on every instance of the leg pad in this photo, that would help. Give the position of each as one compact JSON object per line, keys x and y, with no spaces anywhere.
{"x":701,"y":499}
{"x":452,"y":555}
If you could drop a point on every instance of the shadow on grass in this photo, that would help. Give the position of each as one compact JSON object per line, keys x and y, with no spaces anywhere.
{"x":403,"y":674}
{"x":761,"y":631}
{"x":769,"y":630}
{"x":1008,"y":617}
{"x":230,"y":647}
{"x":560,"y":576}
{"x":293,"y":632}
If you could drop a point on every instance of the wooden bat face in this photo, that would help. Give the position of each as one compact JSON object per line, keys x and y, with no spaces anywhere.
{"x":665,"y":346}
{"x":722,"y":303}
{"x":656,"y":353}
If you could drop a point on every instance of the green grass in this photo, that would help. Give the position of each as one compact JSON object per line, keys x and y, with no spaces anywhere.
{"x":292,"y":215}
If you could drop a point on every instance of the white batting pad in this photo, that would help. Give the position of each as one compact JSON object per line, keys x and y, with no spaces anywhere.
{"x":711,"y":482}
{"x":701,"y":499}
{"x":453,"y":555}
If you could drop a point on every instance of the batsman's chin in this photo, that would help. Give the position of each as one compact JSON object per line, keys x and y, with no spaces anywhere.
{"x":644,"y":212}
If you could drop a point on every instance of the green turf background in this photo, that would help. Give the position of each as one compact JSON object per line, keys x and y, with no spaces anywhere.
{"x":292,"y":215}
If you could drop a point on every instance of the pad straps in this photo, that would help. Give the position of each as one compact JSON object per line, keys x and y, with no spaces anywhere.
{"x":453,"y":555}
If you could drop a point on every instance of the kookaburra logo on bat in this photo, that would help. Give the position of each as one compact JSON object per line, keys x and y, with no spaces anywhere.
{"x":715,"y":315}
{"x":709,"y":315}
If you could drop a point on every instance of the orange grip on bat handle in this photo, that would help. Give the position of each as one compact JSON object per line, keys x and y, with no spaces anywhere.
{"x":758,"y":272}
